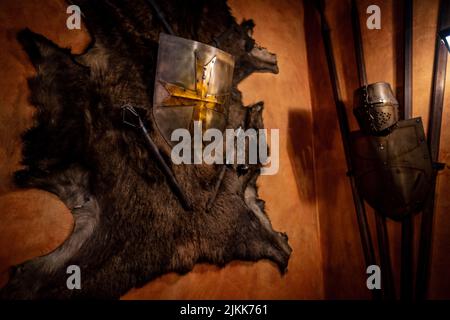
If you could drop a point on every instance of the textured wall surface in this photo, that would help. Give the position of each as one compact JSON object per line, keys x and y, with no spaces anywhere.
{"x":291,"y":205}
{"x":32,"y":222}
{"x":309,"y":198}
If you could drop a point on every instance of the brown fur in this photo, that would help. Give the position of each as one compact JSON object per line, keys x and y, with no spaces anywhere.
{"x":129,"y":226}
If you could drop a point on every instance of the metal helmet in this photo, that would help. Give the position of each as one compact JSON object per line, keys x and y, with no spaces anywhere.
{"x":193,"y":83}
{"x":376,"y":108}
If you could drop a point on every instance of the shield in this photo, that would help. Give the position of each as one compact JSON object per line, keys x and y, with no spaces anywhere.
{"x":393,"y":172}
{"x":193,"y":83}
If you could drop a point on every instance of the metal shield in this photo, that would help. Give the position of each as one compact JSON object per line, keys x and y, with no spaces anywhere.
{"x":193,"y":83}
{"x":393,"y":172}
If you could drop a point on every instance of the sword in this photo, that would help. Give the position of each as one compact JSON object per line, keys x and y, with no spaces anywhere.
{"x":161,"y":17}
{"x":434,"y":133}
{"x":131,"y":117}
{"x":363,"y":225}
{"x":407,"y":237}
{"x":380,"y":220}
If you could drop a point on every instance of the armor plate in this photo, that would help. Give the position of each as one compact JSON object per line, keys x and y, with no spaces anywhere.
{"x":393,"y":172}
{"x":193,"y":83}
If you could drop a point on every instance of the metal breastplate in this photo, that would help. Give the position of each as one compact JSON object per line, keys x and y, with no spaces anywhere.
{"x":393,"y":172}
{"x":193,"y":83}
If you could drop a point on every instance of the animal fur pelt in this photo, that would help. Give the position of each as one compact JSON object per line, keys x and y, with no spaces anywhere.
{"x":129,"y":226}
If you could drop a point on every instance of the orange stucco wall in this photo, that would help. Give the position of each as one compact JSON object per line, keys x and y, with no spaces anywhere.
{"x":309,"y":198}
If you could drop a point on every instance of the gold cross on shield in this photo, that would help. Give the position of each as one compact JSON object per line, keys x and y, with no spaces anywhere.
{"x":200,"y":98}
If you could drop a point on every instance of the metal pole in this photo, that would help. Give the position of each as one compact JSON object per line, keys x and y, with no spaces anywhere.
{"x":380,"y":221}
{"x":407,"y":242}
{"x":407,"y":106}
{"x":434,"y":133}
{"x":364,"y":231}
{"x":359,"y":50}
{"x":385,"y":258}
{"x":407,"y":262}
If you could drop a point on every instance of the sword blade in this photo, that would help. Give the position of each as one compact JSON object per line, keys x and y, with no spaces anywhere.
{"x":434,"y":133}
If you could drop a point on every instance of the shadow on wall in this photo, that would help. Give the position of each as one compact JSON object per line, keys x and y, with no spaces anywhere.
{"x":300,"y":149}
{"x":399,"y":53}
{"x":344,"y":275}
